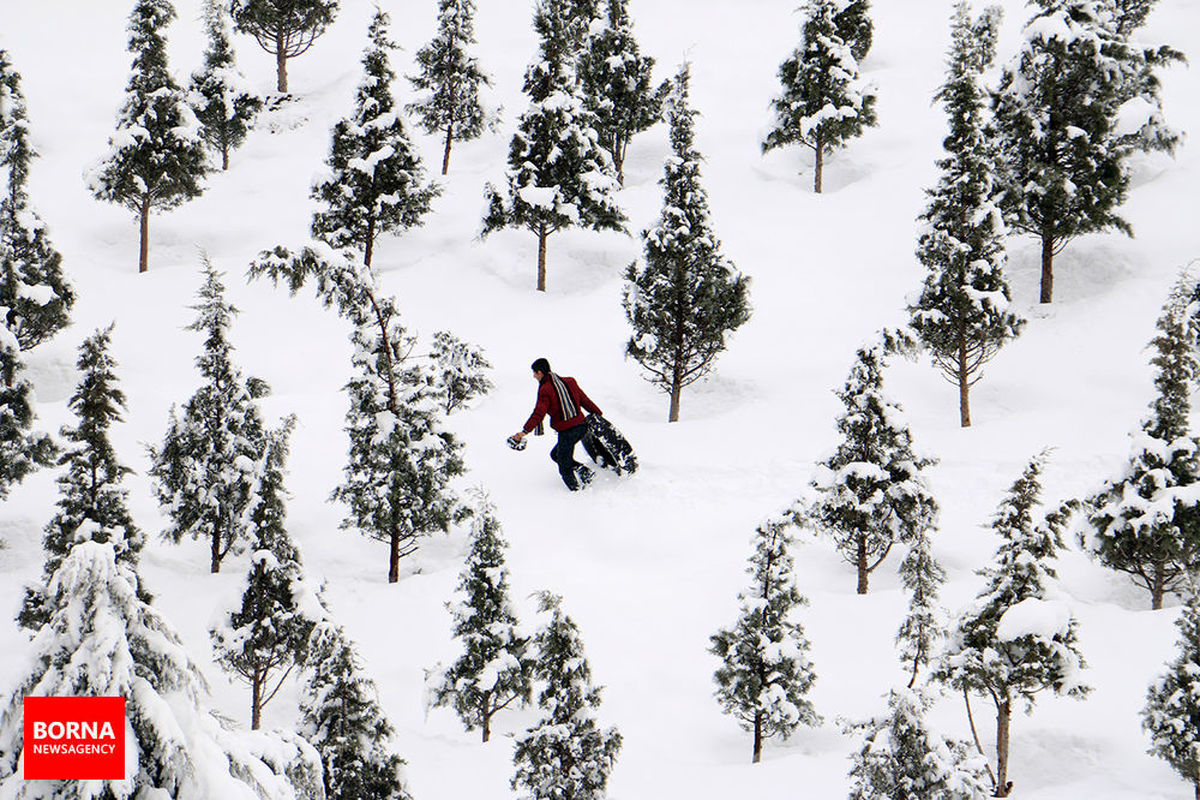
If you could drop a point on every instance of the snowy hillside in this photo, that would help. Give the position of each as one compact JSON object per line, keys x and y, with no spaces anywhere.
{"x":648,"y":566}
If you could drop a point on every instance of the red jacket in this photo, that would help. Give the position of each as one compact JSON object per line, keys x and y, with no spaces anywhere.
{"x":548,"y":403}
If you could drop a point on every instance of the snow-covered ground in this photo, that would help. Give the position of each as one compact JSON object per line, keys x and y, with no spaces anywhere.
{"x":650,"y":566}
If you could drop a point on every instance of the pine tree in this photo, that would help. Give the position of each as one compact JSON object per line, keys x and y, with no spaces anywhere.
{"x":1172,"y":712}
{"x":617,"y":86}
{"x":1140,"y":124}
{"x":688,"y":297}
{"x":925,"y":624}
{"x":450,"y":79}
{"x":765,"y":672}
{"x":565,"y":756}
{"x":1016,"y":639}
{"x":824,"y":103}
{"x":871,"y":490}
{"x":963,"y":314}
{"x":92,"y":501}
{"x":855,"y":28}
{"x":401,"y":461}
{"x":156,"y":158}
{"x":376,"y":183}
{"x":22,"y":450}
{"x":208,"y":465}
{"x":558,"y":175}
{"x":36,"y":296}
{"x":1146,"y":521}
{"x":1057,"y":110}
{"x":283,"y":28}
{"x":263,"y":639}
{"x":494,"y":670}
{"x":460,"y":371}
{"x":900,"y":758}
{"x":224,"y":103}
{"x":342,"y":718}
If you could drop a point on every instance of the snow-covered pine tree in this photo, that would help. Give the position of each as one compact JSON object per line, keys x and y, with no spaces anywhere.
{"x":558,"y":174}
{"x":401,"y":461}
{"x":342,"y":718}
{"x":580,"y":15}
{"x":1141,"y":125}
{"x":33,"y":290}
{"x":617,"y":87}
{"x":22,"y":450}
{"x":825,"y":103}
{"x":765,"y":672}
{"x":156,"y":159}
{"x":688,"y":297}
{"x":207,"y":469}
{"x":855,"y":27}
{"x":376,"y":183}
{"x":450,"y":79}
{"x":263,"y":640}
{"x":91,"y":504}
{"x":565,"y":756}
{"x":871,"y":491}
{"x":963,"y":314}
{"x":925,"y":624}
{"x":1016,"y":639}
{"x":1131,"y":14}
{"x":102,"y":638}
{"x":900,"y":758}
{"x":460,"y":371}
{"x":1146,"y":521}
{"x":283,"y":28}
{"x":494,"y":670}
{"x":223,"y":100}
{"x":1056,"y":113}
{"x":1172,"y":712}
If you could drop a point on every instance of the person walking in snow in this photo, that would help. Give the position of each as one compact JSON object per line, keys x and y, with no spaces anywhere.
{"x":565,"y":402}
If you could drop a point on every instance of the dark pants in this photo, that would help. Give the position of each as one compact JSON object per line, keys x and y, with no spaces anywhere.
{"x":563,"y":454}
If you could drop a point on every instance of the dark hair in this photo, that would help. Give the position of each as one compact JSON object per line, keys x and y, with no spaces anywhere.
{"x":541,"y":365}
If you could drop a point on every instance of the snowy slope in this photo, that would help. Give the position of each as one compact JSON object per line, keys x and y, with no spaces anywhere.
{"x":648,"y":567}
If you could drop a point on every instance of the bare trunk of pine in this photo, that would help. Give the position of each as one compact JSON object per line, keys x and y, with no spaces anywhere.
{"x":144,"y":247}
{"x":215,"y":560}
{"x":486,"y":713}
{"x":394,"y":557}
{"x":818,"y":167}
{"x":619,"y":159}
{"x":369,"y":249}
{"x":861,"y":560}
{"x":1003,"y":716}
{"x":758,"y":737}
{"x":676,"y":392}
{"x":281,"y":65}
{"x":1047,"y":267}
{"x":224,"y":156}
{"x":541,"y":276}
{"x":256,"y":687}
{"x":446,"y":155}
{"x":1158,"y":586}
{"x":964,"y":388}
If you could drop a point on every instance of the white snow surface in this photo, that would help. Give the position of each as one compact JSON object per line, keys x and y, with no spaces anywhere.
{"x":648,"y":566}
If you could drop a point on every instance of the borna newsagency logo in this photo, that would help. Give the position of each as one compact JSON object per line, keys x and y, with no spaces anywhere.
{"x":74,"y":738}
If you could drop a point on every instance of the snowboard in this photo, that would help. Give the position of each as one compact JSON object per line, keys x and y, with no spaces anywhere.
{"x":607,"y":447}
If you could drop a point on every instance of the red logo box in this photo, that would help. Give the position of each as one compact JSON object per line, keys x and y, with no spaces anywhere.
{"x":74,"y":738}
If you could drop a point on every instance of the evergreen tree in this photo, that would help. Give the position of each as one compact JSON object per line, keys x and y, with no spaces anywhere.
{"x":91,"y":505}
{"x":21,"y":449}
{"x":460,"y":371}
{"x":824,"y":103}
{"x":208,"y":466}
{"x":1057,"y":110}
{"x":224,"y":102}
{"x":401,"y":461}
{"x":855,"y":28}
{"x":263,"y":639}
{"x":450,"y":79}
{"x":925,"y":624}
{"x":565,"y":756}
{"x":558,"y":175}
{"x":283,"y":28}
{"x":688,"y":297}
{"x":1172,"y":712}
{"x":33,"y":290}
{"x":341,"y":716}
{"x":1140,"y":124}
{"x":156,"y":158}
{"x":1016,"y":640}
{"x":494,"y":670}
{"x":617,"y":87}
{"x":1131,"y":14}
{"x":871,"y":490}
{"x":900,"y":758}
{"x":963,"y":314}
{"x":376,"y":183}
{"x":1146,"y":521}
{"x":765,"y":672}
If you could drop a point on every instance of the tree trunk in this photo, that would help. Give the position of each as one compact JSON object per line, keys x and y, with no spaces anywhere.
{"x":676,"y":391}
{"x":449,"y":141}
{"x":369,"y":249}
{"x":861,"y":560}
{"x":818,"y":167}
{"x":1003,"y":715}
{"x":224,"y":156}
{"x":758,"y":737}
{"x":964,"y":389}
{"x":144,"y":248}
{"x":1158,"y":586}
{"x":394,"y":557}
{"x":215,"y":561}
{"x":487,"y":716}
{"x":1047,"y":267}
{"x":619,"y":159}
{"x":541,"y":276}
{"x":281,"y":65}
{"x":256,"y":685}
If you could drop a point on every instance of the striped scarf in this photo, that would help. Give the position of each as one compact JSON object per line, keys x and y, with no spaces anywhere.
{"x":566,"y":402}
